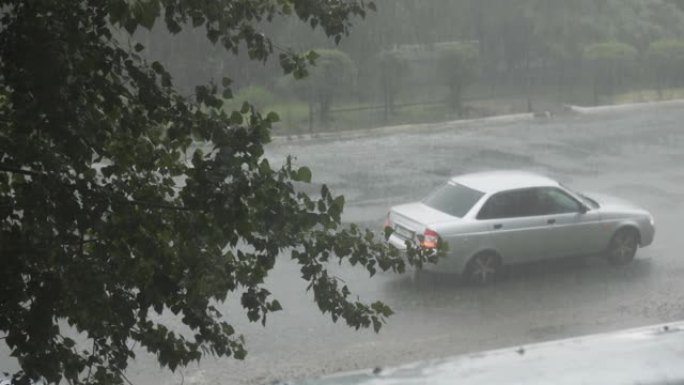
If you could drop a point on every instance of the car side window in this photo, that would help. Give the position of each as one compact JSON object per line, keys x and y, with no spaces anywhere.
{"x":554,"y":201}
{"x":509,"y":204}
{"x":528,"y":203}
{"x":495,"y":207}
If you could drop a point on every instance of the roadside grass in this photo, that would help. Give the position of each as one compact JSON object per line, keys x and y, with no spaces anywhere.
{"x":480,"y":102}
{"x":294,"y":117}
{"x":648,"y":95}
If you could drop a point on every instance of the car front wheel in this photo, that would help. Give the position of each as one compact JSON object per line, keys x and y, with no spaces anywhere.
{"x":623,"y":246}
{"x":483,"y":269}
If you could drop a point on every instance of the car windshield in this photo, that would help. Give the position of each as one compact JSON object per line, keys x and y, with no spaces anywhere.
{"x":453,"y":199}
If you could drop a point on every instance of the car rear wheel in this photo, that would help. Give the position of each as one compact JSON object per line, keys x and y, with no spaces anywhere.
{"x":623,"y":246}
{"x":483,"y":269}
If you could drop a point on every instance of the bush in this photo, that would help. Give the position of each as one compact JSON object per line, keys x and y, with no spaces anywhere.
{"x":458,"y":67}
{"x":611,"y":62}
{"x":665,"y":61}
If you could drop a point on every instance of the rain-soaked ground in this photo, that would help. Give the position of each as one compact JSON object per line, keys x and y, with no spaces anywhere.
{"x":635,"y":153}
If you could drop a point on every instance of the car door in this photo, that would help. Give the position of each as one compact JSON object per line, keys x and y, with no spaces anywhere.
{"x":515,"y":229}
{"x":572,"y":227}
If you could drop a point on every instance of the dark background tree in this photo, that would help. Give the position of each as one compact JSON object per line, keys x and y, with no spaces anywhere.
{"x":391,"y":69}
{"x":458,"y":68}
{"x":666,"y":61}
{"x":529,"y":51}
{"x":611,"y":63}
{"x":121,"y":198}
{"x":332,"y":77}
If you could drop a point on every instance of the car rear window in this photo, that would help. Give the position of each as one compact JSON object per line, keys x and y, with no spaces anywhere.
{"x":453,"y":199}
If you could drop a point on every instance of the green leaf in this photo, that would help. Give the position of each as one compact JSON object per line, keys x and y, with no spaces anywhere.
{"x":304,"y":175}
{"x":146,"y":12}
{"x":166,"y":80}
{"x":131,"y":25}
{"x":339,"y":201}
{"x":236,"y":118}
{"x":275,"y":306}
{"x":388,"y":232}
{"x":311,"y":56}
{"x":273,"y":117}
{"x":245,"y":108}
{"x":68,"y":343}
{"x":158,"y":67}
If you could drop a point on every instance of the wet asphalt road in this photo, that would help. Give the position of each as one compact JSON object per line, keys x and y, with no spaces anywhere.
{"x":635,"y":153}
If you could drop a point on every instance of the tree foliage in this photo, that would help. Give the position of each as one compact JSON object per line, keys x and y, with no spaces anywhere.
{"x":666,"y":60}
{"x":332,"y":76}
{"x":121,"y":199}
{"x":611,"y":62}
{"x":458,"y":67}
{"x":524,"y":45}
{"x":392,"y":69}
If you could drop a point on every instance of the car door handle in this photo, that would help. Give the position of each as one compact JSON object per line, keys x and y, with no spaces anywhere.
{"x":498,"y":226}
{"x":551,"y":221}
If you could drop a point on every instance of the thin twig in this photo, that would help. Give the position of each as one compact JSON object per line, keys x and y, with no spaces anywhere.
{"x":156,"y":205}
{"x":15,"y":170}
{"x":338,"y":279}
{"x":125,"y":378}
{"x":90,"y":367}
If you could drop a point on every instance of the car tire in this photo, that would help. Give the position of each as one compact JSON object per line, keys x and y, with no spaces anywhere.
{"x":623,"y":246}
{"x":483,"y":269}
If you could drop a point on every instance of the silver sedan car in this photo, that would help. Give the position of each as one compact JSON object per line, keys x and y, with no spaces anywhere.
{"x":489,"y":219}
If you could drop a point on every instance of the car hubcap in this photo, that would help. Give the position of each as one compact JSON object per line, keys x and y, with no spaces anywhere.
{"x":484,"y":268}
{"x":624,"y":246}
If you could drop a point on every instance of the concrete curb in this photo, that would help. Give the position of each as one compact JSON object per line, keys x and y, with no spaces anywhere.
{"x":404,"y":128}
{"x":627,"y":106}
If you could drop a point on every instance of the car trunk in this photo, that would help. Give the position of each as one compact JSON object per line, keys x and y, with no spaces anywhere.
{"x":412,"y":218}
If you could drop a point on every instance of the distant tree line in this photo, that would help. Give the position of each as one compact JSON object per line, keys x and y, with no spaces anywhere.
{"x":408,"y":50}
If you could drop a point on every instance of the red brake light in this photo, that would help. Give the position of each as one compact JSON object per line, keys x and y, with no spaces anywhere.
{"x":430,"y":239}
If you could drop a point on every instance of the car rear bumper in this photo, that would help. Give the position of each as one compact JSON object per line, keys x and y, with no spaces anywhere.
{"x":397,"y":241}
{"x":450,"y":263}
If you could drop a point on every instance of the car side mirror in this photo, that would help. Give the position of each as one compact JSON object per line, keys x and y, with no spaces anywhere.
{"x":583,"y":209}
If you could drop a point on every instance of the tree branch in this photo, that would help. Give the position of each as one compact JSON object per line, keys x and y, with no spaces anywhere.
{"x":15,"y":170}
{"x":90,"y":366}
{"x":156,"y":205}
{"x":125,"y":378}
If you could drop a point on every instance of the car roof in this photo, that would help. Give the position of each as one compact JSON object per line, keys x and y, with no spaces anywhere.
{"x":495,"y":181}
